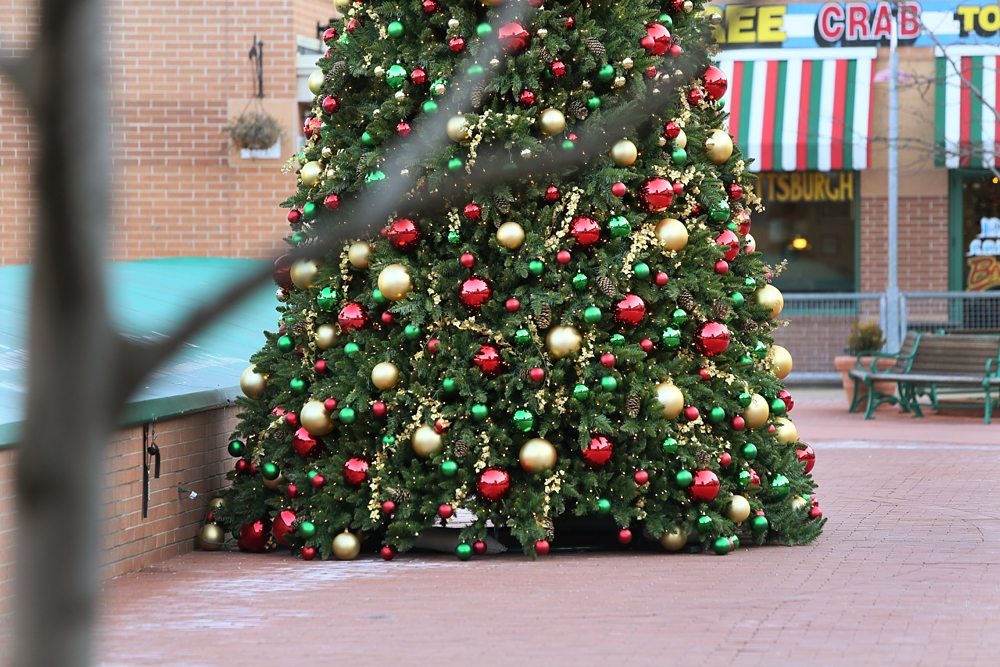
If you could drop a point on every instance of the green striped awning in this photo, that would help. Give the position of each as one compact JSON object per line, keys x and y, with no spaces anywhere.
{"x":966,"y":126}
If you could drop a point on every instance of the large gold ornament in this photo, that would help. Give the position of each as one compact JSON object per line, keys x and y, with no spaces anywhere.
{"x":394,"y":282}
{"x":303,"y":272}
{"x":457,"y":128}
{"x":671,"y":233}
{"x":799,"y":503}
{"x":785,"y":431}
{"x":327,"y":336}
{"x":681,"y":140}
{"x":552,"y":121}
{"x":671,"y":398}
{"x":358,"y":253}
{"x":310,"y":173}
{"x":315,"y":418}
{"x":211,"y":537}
{"x":624,"y":153}
{"x":510,"y":235}
{"x":385,"y":375}
{"x":426,"y":442}
{"x":781,"y":361}
{"x":757,"y":412}
{"x":770,"y":296}
{"x":216,"y":503}
{"x":563,"y":341}
{"x":722,"y":146}
{"x":674,"y":540}
{"x":738,"y":510}
{"x":315,"y":82}
{"x":274,"y":483}
{"x":537,"y":455}
{"x":253,"y":383}
{"x":346,"y":546}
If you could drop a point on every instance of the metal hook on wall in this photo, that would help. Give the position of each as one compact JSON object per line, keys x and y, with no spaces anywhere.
{"x":257,"y":57}
{"x":150,"y":453}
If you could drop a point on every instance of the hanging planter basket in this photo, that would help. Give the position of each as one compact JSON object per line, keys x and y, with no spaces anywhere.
{"x":254,"y":129}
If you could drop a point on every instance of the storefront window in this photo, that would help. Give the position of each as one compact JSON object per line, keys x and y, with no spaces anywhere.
{"x":981,"y":233}
{"x":809,"y":221}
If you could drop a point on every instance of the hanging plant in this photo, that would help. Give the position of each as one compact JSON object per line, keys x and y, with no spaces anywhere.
{"x":254,"y":129}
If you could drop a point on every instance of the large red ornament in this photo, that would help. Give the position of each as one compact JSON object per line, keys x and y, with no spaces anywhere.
{"x":353,"y":316}
{"x":488,"y":360}
{"x":356,"y":471}
{"x":330,"y":104}
{"x":282,"y":271}
{"x":304,"y":444}
{"x":704,"y":486}
{"x":403,"y":233}
{"x":712,"y":338}
{"x":586,"y":231}
{"x":656,"y":195}
{"x":282,"y":526}
{"x":630,"y":310}
{"x":493,"y":484}
{"x":731,"y":241}
{"x":253,"y":536}
{"x":513,"y":38}
{"x":475,"y":292}
{"x":657,"y":39}
{"x":598,"y":451}
{"x":807,"y":456}
{"x":715,"y":83}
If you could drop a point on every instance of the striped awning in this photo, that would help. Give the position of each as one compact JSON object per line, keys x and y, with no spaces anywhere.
{"x":801,"y":109}
{"x":967,"y":129}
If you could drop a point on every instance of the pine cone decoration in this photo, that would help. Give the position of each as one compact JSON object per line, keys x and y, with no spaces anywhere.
{"x":460,"y":448}
{"x":578,"y":109}
{"x":749,"y":326}
{"x":722,"y":311}
{"x":300,"y":329}
{"x":547,"y":57}
{"x":607,"y":286}
{"x":702,"y":458}
{"x":476,"y":98}
{"x":685,"y":299}
{"x":337,"y":68}
{"x":524,"y":375}
{"x":550,"y":529}
{"x":398,"y":496}
{"x":502,"y":205}
{"x":594,"y":46}
{"x":544,"y":318}
{"x":632,"y":405}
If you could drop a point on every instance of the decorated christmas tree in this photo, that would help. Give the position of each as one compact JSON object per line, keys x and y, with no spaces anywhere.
{"x":594,"y":341}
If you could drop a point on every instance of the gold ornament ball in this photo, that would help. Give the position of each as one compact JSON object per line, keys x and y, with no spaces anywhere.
{"x":563,"y":341}
{"x":722,"y":146}
{"x":426,"y":442}
{"x":552,"y":121}
{"x":216,"y":503}
{"x":315,"y":82}
{"x":315,"y":418}
{"x":671,"y":233}
{"x":327,"y":336}
{"x":799,"y":503}
{"x":253,"y":383}
{"x":781,"y":361}
{"x":510,"y":235}
{"x":310,"y":173}
{"x":688,"y":6}
{"x":738,"y":510}
{"x":770,"y":296}
{"x":537,"y":455}
{"x":342,"y":5}
{"x":671,"y":398}
{"x":681,"y":140}
{"x":674,"y":540}
{"x":358,"y":253}
{"x":457,"y":128}
{"x":385,"y":375}
{"x":274,"y":483}
{"x":394,"y":282}
{"x":211,"y":537}
{"x":756,"y":413}
{"x":785,"y":431}
{"x":624,"y":153}
{"x":346,"y":546}
{"x":303,"y":272}
{"x":749,"y":243}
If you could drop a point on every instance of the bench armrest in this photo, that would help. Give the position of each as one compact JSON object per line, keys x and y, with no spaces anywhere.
{"x":880,"y":355}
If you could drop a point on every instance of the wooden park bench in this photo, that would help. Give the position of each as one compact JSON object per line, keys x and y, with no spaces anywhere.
{"x":936,"y":365}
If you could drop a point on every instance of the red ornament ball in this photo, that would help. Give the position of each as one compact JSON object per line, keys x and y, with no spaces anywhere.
{"x":479,"y":548}
{"x":725,"y":459}
{"x":735,"y":191}
{"x":467,"y":260}
{"x":678,"y":188}
{"x":513,"y":38}
{"x":418,"y":76}
{"x":542,"y":547}
{"x":646,"y":344}
{"x":332,"y":202}
{"x":563,"y":256}
{"x":472,"y":211}
{"x":512,"y":305}
{"x":475,"y":292}
{"x":671,"y":129}
{"x":282,"y":271}
{"x":304,"y":444}
{"x":641,"y":477}
{"x":445,"y":511}
{"x":715,"y":83}
{"x":754,"y":478}
{"x":705,"y":375}
{"x":353,"y":25}
{"x":330,"y":104}
{"x":630,"y":310}
{"x":308,"y":553}
{"x":807,"y":456}
{"x":662,"y":278}
{"x":656,"y":195}
{"x":242,"y":465}
{"x":731,"y":244}
{"x":771,"y":429}
{"x":253,"y":536}
{"x":787,"y":399}
{"x":657,"y":39}
{"x":675,"y":51}
{"x":387,"y":317}
{"x":294,"y":216}
{"x":292,"y":490}
{"x":329,"y":34}
{"x":608,"y":360}
{"x":317,"y":481}
{"x":488,"y":360}
{"x":330,"y":404}
{"x":388,"y":507}
{"x":493,"y":484}
{"x":353,"y":316}
{"x":456,"y":44}
{"x":551,"y":194}
{"x":570,"y":22}
{"x":649,"y":72}
{"x":387,"y":553}
{"x":429,"y":6}
{"x":712,"y":338}
{"x":312,"y":127}
{"x":815,"y":513}
{"x":432,"y":345}
{"x":558,"y":68}
{"x":356,"y":471}
{"x":403,"y":234}
{"x":526,"y":99}
{"x":722,"y":267}
{"x":441,"y":425}
{"x":739,"y":423}
{"x":586,"y":231}
{"x":624,"y":536}
{"x":598,"y":451}
{"x":403,"y":129}
{"x":619,"y":189}
{"x":536,"y":374}
{"x":691,"y":413}
{"x":282,"y":525}
{"x":292,"y":419}
{"x":695,"y":97}
{"x":704,"y":486}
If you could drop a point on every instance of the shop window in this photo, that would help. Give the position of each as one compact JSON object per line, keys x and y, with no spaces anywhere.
{"x":980,"y":202}
{"x":810,"y":222}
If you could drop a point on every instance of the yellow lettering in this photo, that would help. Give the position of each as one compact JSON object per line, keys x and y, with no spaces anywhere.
{"x":782,"y":188}
{"x":796,"y":194}
{"x":770,"y":20}
{"x":740,"y":24}
{"x":821,"y":186}
{"x":968,"y":18}
{"x":989,"y":18}
{"x":846,"y":186}
{"x":718,"y":31}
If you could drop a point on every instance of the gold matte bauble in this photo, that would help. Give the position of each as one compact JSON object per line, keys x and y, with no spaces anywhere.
{"x":671,"y":398}
{"x":738,"y":510}
{"x":394,"y":282}
{"x":358,"y":253}
{"x":346,"y":546}
{"x":274,"y":483}
{"x":799,"y":503}
{"x":671,"y":233}
{"x":722,"y":146}
{"x":327,"y":336}
{"x":551,"y":121}
{"x":253,"y":383}
{"x":681,"y":140}
{"x":385,"y":375}
{"x":310,"y":173}
{"x":211,"y":537}
{"x":457,"y":128}
{"x":426,"y":442}
{"x":537,"y":455}
{"x":781,"y":361}
{"x":785,"y":431}
{"x":770,"y":296}
{"x":315,"y":418}
{"x":342,"y":5}
{"x":624,"y":153}
{"x":563,"y":341}
{"x":303,"y":272}
{"x":674,"y":540}
{"x":216,"y":503}
{"x":756,"y":413}
{"x":315,"y":82}
{"x":510,"y":235}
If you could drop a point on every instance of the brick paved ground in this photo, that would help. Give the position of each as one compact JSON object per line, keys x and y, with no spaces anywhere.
{"x":906,"y":573}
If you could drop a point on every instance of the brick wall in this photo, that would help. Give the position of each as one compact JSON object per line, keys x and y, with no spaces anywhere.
{"x":922,"y":243}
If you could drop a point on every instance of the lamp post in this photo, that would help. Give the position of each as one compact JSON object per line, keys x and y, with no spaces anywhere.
{"x":893,"y":325}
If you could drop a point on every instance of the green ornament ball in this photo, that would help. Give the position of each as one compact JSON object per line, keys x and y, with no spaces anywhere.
{"x":568,"y":144}
{"x":731,"y":226}
{"x":777,"y":407}
{"x":745,"y":398}
{"x":606,"y":73}
{"x":449,"y":468}
{"x":455,"y":164}
{"x":716,"y":415}
{"x":312,"y":473}
{"x":720,"y":103}
{"x":735,"y":540}
{"x":609,"y":383}
{"x":760,"y":349}
{"x":396,"y":30}
{"x":617,"y":340}
{"x":348,"y":416}
{"x":412,"y":332}
{"x":524,"y":420}
{"x":269,"y":471}
{"x":580,"y":282}
{"x":722,"y":546}
{"x":396,"y":76}
{"x":434,"y":87}
{"x":671,"y":338}
{"x":430,"y":107}
{"x":388,"y":440}
{"x":309,"y":210}
{"x":592,"y":315}
{"x":327,"y":299}
{"x":454,"y":238}
{"x":720,"y":211}
{"x":744,"y":478}
{"x":484,"y":29}
{"x":779,"y":486}
{"x":298,"y":238}
{"x":666,"y":21}
{"x":679,"y":317}
{"x":480,"y":412}
{"x":448,"y":385}
{"x":307,"y":529}
{"x":522,"y":337}
{"x":679,"y":156}
{"x":749,"y":452}
{"x":367,"y":139}
{"x":750,"y":281}
{"x":375,"y":176}
{"x":641,"y":270}
{"x":581,"y":392}
{"x":537,"y":267}
{"x":285,"y":344}
{"x":603,"y":507}
{"x":297,"y":385}
{"x":745,"y":360}
{"x":378,"y":297}
{"x":619,"y":226}
{"x":759,"y":524}
{"x":235,"y":448}
{"x":463,"y":551}
{"x":594,"y":103}
{"x":737,"y":298}
{"x":704,"y":524}
{"x":684,"y":478}
{"x":474,"y":71}
{"x":351,"y":348}
{"x":670,"y":446}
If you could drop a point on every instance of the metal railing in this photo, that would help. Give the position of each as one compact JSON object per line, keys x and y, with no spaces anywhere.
{"x":945,"y":312}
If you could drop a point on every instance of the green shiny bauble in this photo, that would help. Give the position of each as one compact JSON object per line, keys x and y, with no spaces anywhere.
{"x":758,"y":524}
{"x":684,"y":478}
{"x":619,"y":226}
{"x":568,"y":144}
{"x":449,"y":468}
{"x":671,"y":338}
{"x":537,"y":267}
{"x":524,"y":420}
{"x":484,"y":29}
{"x":396,"y":76}
{"x":731,"y":226}
{"x":760,"y":349}
{"x":580,"y":282}
{"x":641,"y":270}
{"x":716,"y":415}
{"x":348,"y":415}
{"x":269,"y":471}
{"x":327,"y":299}
{"x":609,"y":383}
{"x":307,"y":529}
{"x":298,"y":238}
{"x":721,"y":546}
{"x":745,"y":399}
{"x":617,"y":340}
{"x":463,"y":551}
{"x":670,"y":446}
{"x":235,"y":449}
{"x":777,"y":407}
{"x":606,"y":73}
{"x":581,"y":392}
{"x":430,"y":107}
{"x":375,"y":176}
{"x":720,"y":103}
{"x":594,"y":103}
{"x":737,"y":299}
{"x":666,"y":21}
{"x":592,"y":315}
{"x":720,"y":211}
{"x":455,"y":164}
{"x":297,"y":385}
{"x":750,"y":282}
{"x":474,"y":71}
{"x":522,"y":337}
{"x":389,"y":440}
{"x":779,"y":486}
{"x":480,"y":412}
{"x":396,"y":30}
{"x":448,"y":385}
{"x":285,"y":344}
{"x":749,"y":452}
{"x":745,"y":360}
{"x":735,"y":541}
{"x":367,"y":139}
{"x":312,"y":473}
{"x":309,"y":210}
{"x":454,"y":238}
{"x":745,"y":478}
{"x":704,"y":524}
{"x":679,"y":317}
{"x":351,"y":348}
{"x":378,"y":297}
{"x":679,"y":156}
{"x":411,"y":332}
{"x":603,"y":507}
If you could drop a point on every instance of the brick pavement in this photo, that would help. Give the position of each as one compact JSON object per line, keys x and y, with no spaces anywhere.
{"x":905,"y":574}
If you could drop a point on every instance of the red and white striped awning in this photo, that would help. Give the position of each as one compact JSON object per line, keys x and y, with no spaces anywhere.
{"x":801,"y":109}
{"x":966,"y":126}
